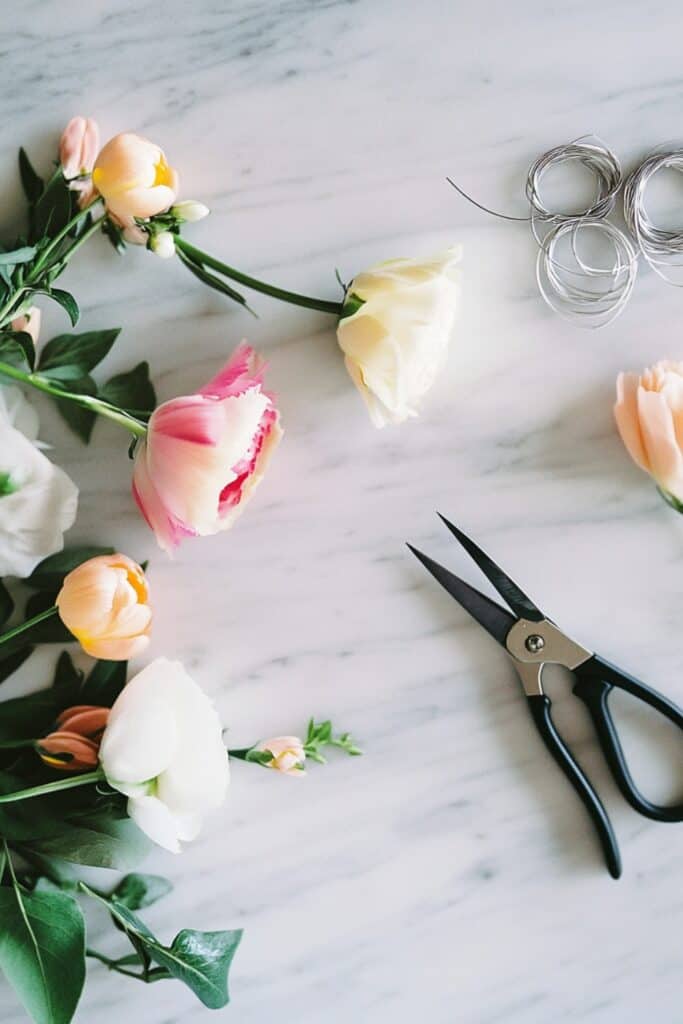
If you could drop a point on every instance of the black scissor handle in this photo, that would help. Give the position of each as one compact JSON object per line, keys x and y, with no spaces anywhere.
{"x":595,"y":680}
{"x":539,"y":705}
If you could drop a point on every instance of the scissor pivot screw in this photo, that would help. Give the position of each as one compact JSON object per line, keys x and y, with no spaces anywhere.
{"x":534,"y":643}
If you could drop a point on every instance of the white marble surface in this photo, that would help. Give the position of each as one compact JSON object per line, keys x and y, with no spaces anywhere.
{"x":451,"y":874}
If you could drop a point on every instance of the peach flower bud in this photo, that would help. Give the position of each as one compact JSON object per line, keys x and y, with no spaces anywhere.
{"x":78,"y":148}
{"x":190,"y":211}
{"x":105,"y":604}
{"x":205,"y":453}
{"x":28,"y":323}
{"x":288,"y":754}
{"x":163,"y":245}
{"x":74,"y":746}
{"x":648,"y":414}
{"x":132,"y":176}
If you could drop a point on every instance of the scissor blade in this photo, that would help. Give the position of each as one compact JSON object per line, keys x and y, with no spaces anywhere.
{"x":522,"y":606}
{"x":496,"y":620}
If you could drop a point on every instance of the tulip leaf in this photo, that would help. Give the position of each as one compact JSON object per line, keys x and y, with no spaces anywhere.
{"x":199,"y":959}
{"x":99,"y":841}
{"x":137,"y":891}
{"x":6,"y":603}
{"x":67,"y":682}
{"x":49,"y":574}
{"x":132,"y":391}
{"x":27,"y":717}
{"x":49,"y":631}
{"x":11,"y":662}
{"x":42,"y":951}
{"x":82,"y":350}
{"x":104,"y":683}
{"x":31,"y":182}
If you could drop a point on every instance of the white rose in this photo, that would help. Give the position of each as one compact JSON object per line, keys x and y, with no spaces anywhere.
{"x":395,"y":329}
{"x":163,"y":748}
{"x":18,"y":412}
{"x":38,"y":501}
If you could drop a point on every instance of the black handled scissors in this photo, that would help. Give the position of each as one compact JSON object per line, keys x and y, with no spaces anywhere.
{"x":532,"y":641}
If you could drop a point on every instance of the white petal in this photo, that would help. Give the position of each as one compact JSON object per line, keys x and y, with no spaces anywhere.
{"x":156,"y":821}
{"x":142,"y":734}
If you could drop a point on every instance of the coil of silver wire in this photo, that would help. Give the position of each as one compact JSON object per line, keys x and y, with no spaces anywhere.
{"x":590,"y":296}
{"x":662,"y":248}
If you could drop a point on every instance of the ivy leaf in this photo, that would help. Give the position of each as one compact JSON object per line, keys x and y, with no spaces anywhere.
{"x":31,"y":182}
{"x":49,"y":574}
{"x":137,"y":891}
{"x":15,"y":256}
{"x":82,"y":350}
{"x":13,"y":352}
{"x":53,"y":208}
{"x":99,"y":841}
{"x":42,"y":952}
{"x":105,"y":682}
{"x":132,"y":391}
{"x":67,"y":302}
{"x":199,"y":959}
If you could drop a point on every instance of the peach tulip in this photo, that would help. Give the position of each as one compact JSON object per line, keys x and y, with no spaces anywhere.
{"x":134,"y":179}
{"x":74,"y":745}
{"x":105,"y":604}
{"x":205,"y":453}
{"x":78,"y":148}
{"x":649,"y":415}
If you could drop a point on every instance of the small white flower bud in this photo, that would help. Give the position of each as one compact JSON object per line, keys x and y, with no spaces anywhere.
{"x":190,"y":210}
{"x":163,"y":245}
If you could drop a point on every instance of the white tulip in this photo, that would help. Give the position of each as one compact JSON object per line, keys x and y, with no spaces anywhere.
{"x":163,"y":749}
{"x":38,"y":501}
{"x":394,"y":331}
{"x":163,"y":245}
{"x":190,"y":210}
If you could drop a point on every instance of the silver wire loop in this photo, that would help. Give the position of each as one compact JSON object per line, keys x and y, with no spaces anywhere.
{"x":662,"y":248}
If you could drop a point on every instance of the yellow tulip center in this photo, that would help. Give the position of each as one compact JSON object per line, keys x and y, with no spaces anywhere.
{"x":162,"y":173}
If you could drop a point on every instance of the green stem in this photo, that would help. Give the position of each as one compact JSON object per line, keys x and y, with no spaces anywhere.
{"x":23,"y":626}
{"x":53,"y":787}
{"x":54,"y":244}
{"x":96,"y":405}
{"x":17,"y":744}
{"x":113,"y":965}
{"x":205,"y":260}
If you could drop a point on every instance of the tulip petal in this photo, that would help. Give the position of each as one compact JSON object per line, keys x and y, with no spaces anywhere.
{"x":659,"y":440}
{"x":626,"y":416}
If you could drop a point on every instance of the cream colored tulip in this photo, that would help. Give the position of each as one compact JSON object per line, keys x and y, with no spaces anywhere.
{"x":394,"y":332}
{"x":649,"y":415}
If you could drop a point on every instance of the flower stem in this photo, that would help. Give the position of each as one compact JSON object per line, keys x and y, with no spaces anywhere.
{"x":203,"y":259}
{"x":54,"y":244}
{"x":96,"y":405}
{"x":24,"y":626}
{"x":53,"y":787}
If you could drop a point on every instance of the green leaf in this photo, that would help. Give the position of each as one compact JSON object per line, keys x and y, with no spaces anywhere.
{"x":132,"y":391}
{"x":214,"y":282}
{"x":67,"y":302}
{"x":13,"y":352}
{"x":24,"y":339}
{"x":23,"y":255}
{"x":105,"y":682}
{"x":49,"y":631}
{"x":11,"y":662}
{"x":50,"y":573}
{"x":199,"y":959}
{"x":32,"y":183}
{"x":263,"y":757}
{"x":352,"y":303}
{"x":6,"y":603}
{"x":99,"y":841}
{"x":27,"y":717}
{"x":80,"y":419}
{"x":53,"y":209}
{"x":83,"y":350}
{"x":137,"y":891}
{"x":42,"y":952}
{"x":66,"y":685}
